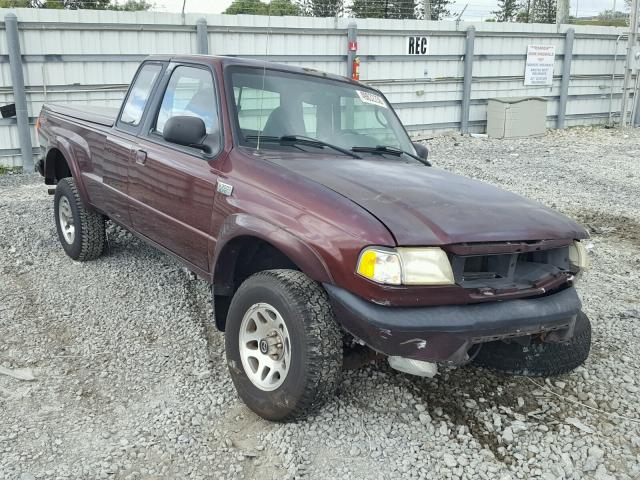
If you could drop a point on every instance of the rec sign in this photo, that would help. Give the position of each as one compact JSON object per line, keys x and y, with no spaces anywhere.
{"x":417,"y":45}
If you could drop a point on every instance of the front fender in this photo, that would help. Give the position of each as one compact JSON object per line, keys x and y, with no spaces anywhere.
{"x":243,"y":225}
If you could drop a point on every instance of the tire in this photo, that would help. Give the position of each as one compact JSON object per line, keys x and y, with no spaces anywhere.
{"x":80,"y":231}
{"x":539,"y":359}
{"x":312,"y":363}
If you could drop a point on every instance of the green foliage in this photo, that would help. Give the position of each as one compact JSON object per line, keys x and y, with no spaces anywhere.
{"x":399,"y":9}
{"x":383,"y":9}
{"x":247,"y":7}
{"x":440,"y":9}
{"x":284,"y":7}
{"x":129,"y":5}
{"x":322,"y":8}
{"x":611,"y":18}
{"x":507,"y":11}
{"x":600,"y":22}
{"x":256,"y":7}
{"x":544,"y":11}
{"x":15,"y":3}
{"x":8,"y":170}
{"x":538,"y":11}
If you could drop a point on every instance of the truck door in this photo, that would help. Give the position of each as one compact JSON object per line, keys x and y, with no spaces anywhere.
{"x":112,"y":162}
{"x":172,"y":187}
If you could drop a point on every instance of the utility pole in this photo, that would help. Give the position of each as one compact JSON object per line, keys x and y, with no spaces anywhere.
{"x":427,"y":9}
{"x":562,"y":12}
{"x":629,"y":64}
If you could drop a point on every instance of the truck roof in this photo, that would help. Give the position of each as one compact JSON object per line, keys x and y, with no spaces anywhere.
{"x":229,"y":60}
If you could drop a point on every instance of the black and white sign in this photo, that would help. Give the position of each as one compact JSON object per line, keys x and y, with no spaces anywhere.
{"x":539,"y":67}
{"x":417,"y":45}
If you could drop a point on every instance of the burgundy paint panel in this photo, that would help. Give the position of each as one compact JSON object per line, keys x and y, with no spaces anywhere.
{"x":429,"y":206}
{"x":172,"y":195}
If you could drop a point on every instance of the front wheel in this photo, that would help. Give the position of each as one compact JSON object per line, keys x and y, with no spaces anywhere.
{"x":283,"y":346}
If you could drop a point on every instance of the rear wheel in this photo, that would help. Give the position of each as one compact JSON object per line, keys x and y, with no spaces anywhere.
{"x":283,"y":346}
{"x":80,"y":231}
{"x":539,"y":359}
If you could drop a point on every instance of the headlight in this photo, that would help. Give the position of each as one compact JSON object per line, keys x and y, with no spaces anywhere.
{"x":425,"y":266}
{"x":407,"y":266}
{"x":381,"y":266}
{"x":578,"y":255}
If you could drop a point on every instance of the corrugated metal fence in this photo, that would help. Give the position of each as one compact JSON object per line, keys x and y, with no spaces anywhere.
{"x":90,"y":56}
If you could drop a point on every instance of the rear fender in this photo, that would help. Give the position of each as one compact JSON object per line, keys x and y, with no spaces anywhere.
{"x":64,"y":146}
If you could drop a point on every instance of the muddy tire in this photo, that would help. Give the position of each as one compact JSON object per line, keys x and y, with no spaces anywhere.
{"x":80,"y":231}
{"x":283,"y":345}
{"x":539,"y":359}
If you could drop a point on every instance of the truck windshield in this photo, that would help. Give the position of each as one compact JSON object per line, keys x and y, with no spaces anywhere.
{"x":271,"y":104}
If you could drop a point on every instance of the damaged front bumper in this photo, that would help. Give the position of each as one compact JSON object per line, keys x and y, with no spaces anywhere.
{"x":445,"y":334}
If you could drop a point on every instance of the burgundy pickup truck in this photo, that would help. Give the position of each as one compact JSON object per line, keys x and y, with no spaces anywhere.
{"x":300,"y":197}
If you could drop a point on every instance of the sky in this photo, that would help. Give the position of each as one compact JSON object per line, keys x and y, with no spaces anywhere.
{"x":477,"y":9}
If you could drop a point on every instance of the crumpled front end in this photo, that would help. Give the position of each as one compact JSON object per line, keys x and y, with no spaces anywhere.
{"x":448,"y":333}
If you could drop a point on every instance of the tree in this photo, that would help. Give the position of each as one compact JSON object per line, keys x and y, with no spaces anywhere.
{"x":129,"y":5}
{"x":544,"y":11}
{"x":14,"y":4}
{"x":256,"y":7}
{"x":384,"y":9}
{"x":440,"y":9}
{"x":524,"y":13}
{"x":247,"y":7}
{"x":281,"y":8}
{"x":507,"y":10}
{"x":322,"y":8}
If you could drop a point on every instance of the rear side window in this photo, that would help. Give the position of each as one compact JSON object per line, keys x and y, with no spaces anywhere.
{"x":139,"y":94}
{"x":190,"y":92}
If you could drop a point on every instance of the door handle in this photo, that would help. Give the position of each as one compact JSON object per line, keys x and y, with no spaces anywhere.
{"x":141,"y":157}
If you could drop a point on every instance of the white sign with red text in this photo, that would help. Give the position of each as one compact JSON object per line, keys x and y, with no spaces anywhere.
{"x":539,"y":66}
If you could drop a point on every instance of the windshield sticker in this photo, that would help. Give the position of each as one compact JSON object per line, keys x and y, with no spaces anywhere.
{"x":371,"y":98}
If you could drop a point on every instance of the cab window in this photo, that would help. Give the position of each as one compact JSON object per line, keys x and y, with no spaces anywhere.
{"x":139,"y":94}
{"x":190,"y":92}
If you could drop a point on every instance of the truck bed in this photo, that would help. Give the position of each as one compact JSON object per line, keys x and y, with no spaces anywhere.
{"x":101,"y":115}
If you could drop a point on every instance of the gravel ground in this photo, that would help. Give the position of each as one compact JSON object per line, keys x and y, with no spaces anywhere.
{"x":130,"y":381}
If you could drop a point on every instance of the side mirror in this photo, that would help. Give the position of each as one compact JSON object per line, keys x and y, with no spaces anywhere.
{"x":421,"y":150}
{"x":187,"y":131}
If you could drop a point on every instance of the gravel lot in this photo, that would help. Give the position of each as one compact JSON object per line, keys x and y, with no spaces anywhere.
{"x":130,"y":380}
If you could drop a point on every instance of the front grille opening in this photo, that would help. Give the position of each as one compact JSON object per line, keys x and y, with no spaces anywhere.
{"x":509,"y":271}
{"x":478,"y":267}
{"x":483,"y":267}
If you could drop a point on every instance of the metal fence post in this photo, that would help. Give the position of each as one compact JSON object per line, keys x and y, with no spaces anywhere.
{"x":202,"y":39}
{"x":468,"y":75}
{"x":352,"y":46}
{"x":566,"y":77}
{"x":636,"y":109}
{"x":19,"y":95}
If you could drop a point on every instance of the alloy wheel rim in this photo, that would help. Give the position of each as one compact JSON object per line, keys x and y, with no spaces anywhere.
{"x":66,"y":220}
{"x":265,"y":346}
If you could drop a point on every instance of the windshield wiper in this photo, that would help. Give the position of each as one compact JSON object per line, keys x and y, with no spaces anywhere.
{"x":301,"y":140}
{"x":391,"y":151}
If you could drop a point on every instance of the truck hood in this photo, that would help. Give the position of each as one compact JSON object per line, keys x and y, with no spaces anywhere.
{"x":428,"y":206}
